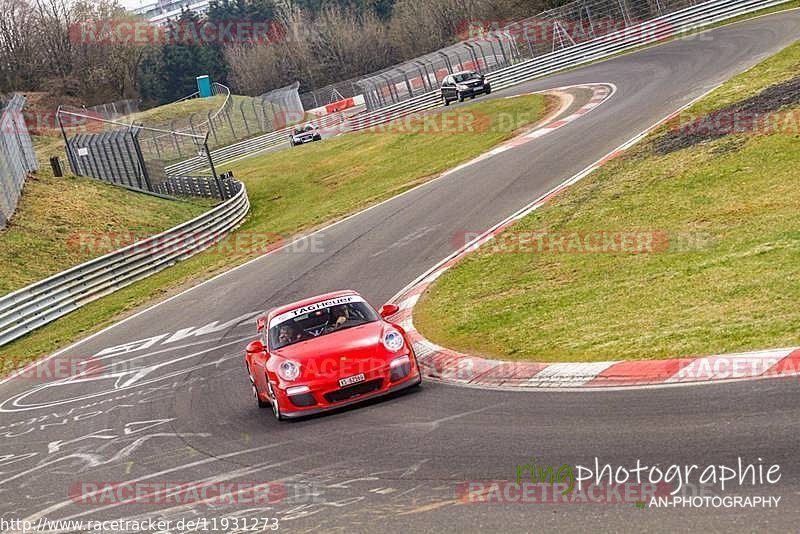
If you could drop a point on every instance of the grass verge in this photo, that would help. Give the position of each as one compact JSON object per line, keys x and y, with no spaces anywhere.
{"x":292,"y":191}
{"x":62,"y":222}
{"x":177,"y":110}
{"x":719,"y":275}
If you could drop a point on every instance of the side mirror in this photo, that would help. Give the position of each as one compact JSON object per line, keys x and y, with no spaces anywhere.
{"x":388,"y":310}
{"x":261,"y":323}
{"x":256,"y":347}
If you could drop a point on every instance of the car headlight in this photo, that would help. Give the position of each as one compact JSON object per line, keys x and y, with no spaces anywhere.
{"x":289,"y":371}
{"x":402,"y":360}
{"x":393,"y":340}
{"x":462,"y":87}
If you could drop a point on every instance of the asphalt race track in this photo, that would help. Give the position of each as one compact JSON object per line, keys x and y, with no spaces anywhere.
{"x":177,"y":407}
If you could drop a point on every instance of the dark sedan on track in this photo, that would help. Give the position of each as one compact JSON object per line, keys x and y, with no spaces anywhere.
{"x":461,"y":85}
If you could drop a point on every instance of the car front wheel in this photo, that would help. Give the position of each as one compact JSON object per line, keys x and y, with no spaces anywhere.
{"x":261,"y":403}
{"x":460,"y":97}
{"x":446,"y":102}
{"x":276,"y":407}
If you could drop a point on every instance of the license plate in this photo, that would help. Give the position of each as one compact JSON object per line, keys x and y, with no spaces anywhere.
{"x":352,"y":380}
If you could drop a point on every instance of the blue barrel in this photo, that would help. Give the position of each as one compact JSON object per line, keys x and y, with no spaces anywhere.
{"x":204,"y":86}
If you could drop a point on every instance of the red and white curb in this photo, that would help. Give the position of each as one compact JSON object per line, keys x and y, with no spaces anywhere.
{"x":450,"y":366}
{"x":600,"y":93}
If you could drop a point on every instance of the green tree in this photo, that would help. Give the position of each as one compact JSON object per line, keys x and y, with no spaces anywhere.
{"x":171,"y":72}
{"x":241,"y":10}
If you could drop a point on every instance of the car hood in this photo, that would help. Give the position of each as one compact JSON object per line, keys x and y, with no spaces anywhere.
{"x":341,"y":354}
{"x":358,"y":342}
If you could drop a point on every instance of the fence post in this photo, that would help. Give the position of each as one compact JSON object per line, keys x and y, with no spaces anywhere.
{"x":408,"y":85}
{"x":213,"y":130}
{"x":70,"y":155}
{"x":625,"y":16}
{"x":474,"y":56}
{"x":230,"y":122}
{"x":244,"y":118}
{"x":211,"y":164}
{"x":175,"y":138}
{"x":503,"y":51}
{"x":142,"y":165}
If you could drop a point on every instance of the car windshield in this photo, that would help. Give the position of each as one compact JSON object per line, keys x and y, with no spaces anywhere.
{"x":301,"y":325}
{"x":464,"y":76}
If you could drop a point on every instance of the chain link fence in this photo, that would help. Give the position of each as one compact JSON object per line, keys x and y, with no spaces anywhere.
{"x":131,"y":152}
{"x":115,"y":110}
{"x":330,"y":93}
{"x":580,"y":21}
{"x":234,"y":118}
{"x":17,"y":157}
{"x":490,"y":45}
{"x":425,"y":73}
{"x":114,"y":152}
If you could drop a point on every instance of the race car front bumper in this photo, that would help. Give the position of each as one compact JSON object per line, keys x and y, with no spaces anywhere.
{"x":317,"y":410}
{"x":326,"y":394}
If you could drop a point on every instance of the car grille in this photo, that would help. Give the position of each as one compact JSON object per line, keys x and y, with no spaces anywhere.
{"x":354,"y":391}
{"x":303,"y":400}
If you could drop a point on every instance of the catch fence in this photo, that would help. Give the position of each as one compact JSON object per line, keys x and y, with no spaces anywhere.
{"x":17,"y":158}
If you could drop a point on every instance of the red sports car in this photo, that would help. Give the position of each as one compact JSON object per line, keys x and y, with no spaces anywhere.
{"x":328,"y":351}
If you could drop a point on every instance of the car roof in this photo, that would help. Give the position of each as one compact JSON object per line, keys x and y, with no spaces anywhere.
{"x":313,"y":300}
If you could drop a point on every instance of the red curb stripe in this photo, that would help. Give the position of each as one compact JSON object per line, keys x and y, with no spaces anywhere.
{"x":635,"y":372}
{"x":416,"y":290}
{"x":440,"y":364}
{"x":788,"y":365}
{"x":609,"y":158}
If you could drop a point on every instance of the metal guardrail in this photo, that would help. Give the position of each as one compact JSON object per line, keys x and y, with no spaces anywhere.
{"x":651,"y":31}
{"x":36,"y":305}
